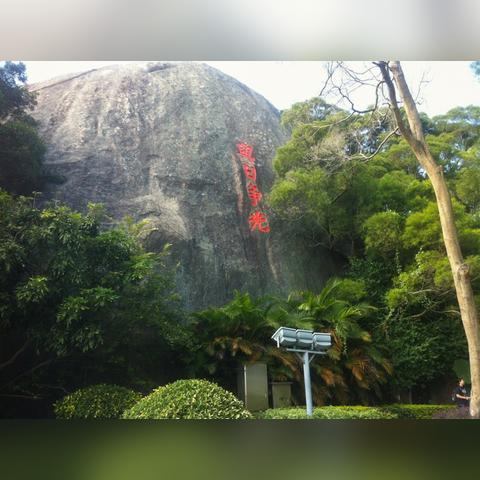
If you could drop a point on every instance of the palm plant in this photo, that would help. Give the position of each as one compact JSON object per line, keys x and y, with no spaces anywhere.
{"x":231,"y":334}
{"x":354,"y":368}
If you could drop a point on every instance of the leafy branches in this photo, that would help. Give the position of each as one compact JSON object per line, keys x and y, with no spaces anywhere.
{"x":72,"y":290}
{"x":21,"y":149}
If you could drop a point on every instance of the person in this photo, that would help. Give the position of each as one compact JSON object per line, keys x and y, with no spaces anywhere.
{"x":461,"y":395}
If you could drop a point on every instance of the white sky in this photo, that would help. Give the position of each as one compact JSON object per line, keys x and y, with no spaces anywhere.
{"x":450,"y":84}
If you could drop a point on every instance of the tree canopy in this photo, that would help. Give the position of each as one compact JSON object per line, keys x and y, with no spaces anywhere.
{"x":380,"y":214}
{"x":79,"y":299}
{"x":21,"y":149}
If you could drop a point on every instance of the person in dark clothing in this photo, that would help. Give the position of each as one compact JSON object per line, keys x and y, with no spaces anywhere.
{"x":461,"y":396}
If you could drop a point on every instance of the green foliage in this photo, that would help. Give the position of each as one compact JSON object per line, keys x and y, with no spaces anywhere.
{"x":301,"y":198}
{"x":461,"y":367}
{"x":400,"y":192}
{"x":375,"y":274}
{"x":422,"y":229}
{"x":97,"y":401}
{"x":423,"y":329}
{"x":383,"y":234}
{"x":415,"y":411}
{"x":467,"y":187}
{"x":354,"y":369}
{"x":21,"y":149}
{"x":388,"y":412}
{"x":15,"y":98}
{"x":306,"y":112}
{"x":328,"y":413}
{"x":21,"y":155}
{"x":238,"y":331}
{"x":74,"y":295}
{"x":188,"y":400}
{"x":350,"y":291}
{"x":382,"y":217}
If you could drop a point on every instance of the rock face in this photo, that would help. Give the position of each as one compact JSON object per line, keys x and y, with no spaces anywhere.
{"x":158,"y":142}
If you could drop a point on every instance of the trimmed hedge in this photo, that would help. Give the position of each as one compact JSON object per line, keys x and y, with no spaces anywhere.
{"x":97,"y":401}
{"x":387,"y":412}
{"x":416,"y":412}
{"x":328,"y":413}
{"x":188,"y":399}
{"x":454,"y":413}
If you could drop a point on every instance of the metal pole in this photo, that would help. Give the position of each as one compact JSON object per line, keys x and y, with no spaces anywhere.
{"x":308,"y":385}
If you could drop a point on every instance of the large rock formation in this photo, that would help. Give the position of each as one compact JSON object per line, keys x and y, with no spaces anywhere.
{"x":158,"y":142}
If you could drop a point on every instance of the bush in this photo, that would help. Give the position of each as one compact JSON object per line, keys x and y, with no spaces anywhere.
{"x":416,"y":412}
{"x":329,"y":413}
{"x":453,"y":413}
{"x":96,"y":401}
{"x":387,"y":412}
{"x":188,"y":399}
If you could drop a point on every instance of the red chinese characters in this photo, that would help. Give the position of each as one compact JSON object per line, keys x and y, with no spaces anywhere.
{"x":250,"y":172}
{"x":246,"y":151}
{"x":254,"y":194}
{"x":257,"y":219}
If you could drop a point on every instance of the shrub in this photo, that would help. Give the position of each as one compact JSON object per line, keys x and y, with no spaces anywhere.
{"x":453,"y":413}
{"x":188,"y":399}
{"x":96,"y":401}
{"x":387,"y":412}
{"x":416,"y":412}
{"x":329,"y":413}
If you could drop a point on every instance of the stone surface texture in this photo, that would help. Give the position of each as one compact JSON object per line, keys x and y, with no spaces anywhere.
{"x":158,"y":142}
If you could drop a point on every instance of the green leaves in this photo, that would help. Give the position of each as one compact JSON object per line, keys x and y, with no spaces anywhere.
{"x":21,"y":149}
{"x":189,"y":400}
{"x":381,"y":216}
{"x":14,"y":95}
{"x":96,"y":402}
{"x":74,"y":290}
{"x":33,"y":290}
{"x":329,"y":413}
{"x":383,"y":234}
{"x":467,"y":187}
{"x":241,"y":332}
{"x":387,"y":412}
{"x":300,"y":196}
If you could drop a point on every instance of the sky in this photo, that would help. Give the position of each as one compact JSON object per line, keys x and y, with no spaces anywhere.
{"x":445,"y":85}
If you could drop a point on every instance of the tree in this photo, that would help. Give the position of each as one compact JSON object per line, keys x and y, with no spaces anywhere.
{"x":421,"y":328}
{"x":15,"y":99}
{"x":21,"y":149}
{"x":412,"y":131}
{"x":78,"y":303}
{"x":354,"y":370}
{"x":355,"y":367}
{"x":409,"y":123}
{"x":368,"y":190}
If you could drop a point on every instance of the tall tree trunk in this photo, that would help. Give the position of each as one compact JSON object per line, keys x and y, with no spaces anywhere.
{"x":413,"y":133}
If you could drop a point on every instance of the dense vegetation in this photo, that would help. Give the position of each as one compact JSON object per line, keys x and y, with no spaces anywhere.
{"x":354,"y":369}
{"x":21,"y":149}
{"x":380,"y":214}
{"x":80,"y":304}
{"x":97,"y":401}
{"x":83,"y":304}
{"x":389,"y":412}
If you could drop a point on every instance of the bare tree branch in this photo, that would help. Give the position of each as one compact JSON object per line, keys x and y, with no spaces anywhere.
{"x":15,"y":355}
{"x":382,"y":143}
{"x":28,"y":372}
